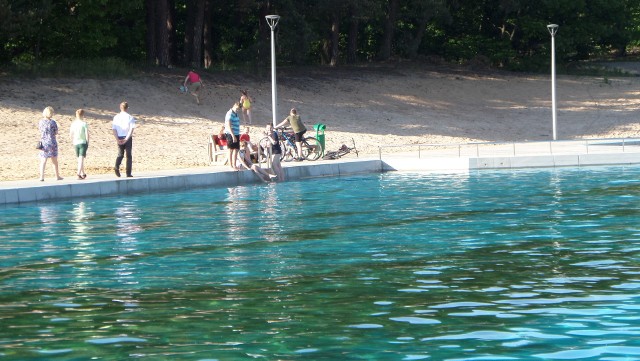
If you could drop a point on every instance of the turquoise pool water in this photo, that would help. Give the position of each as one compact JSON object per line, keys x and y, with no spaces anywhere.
{"x":496,"y":265}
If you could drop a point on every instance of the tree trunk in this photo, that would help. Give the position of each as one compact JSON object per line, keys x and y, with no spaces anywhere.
{"x":152,"y":50}
{"x":165,"y":29}
{"x":264,"y":47}
{"x":417,"y":39}
{"x":187,"y":52}
{"x":335,"y":40}
{"x":389,"y":30}
{"x":352,"y":43}
{"x":206,"y":35}
{"x":325,"y":57}
{"x":198,"y":28}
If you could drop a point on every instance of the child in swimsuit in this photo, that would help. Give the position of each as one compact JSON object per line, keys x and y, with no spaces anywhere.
{"x":245,"y":100}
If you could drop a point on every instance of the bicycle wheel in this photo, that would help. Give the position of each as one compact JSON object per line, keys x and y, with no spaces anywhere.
{"x":288,"y":152}
{"x":311,"y":148}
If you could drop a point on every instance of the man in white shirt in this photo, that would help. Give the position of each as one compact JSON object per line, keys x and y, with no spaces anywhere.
{"x":123,"y":125}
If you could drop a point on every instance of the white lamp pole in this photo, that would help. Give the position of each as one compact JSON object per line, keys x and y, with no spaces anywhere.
{"x":553,"y":29}
{"x":272,"y":20}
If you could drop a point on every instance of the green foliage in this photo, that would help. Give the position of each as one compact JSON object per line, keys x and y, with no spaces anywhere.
{"x":634,"y":24}
{"x":37,"y":35}
{"x":27,"y":65}
{"x":45,"y":29}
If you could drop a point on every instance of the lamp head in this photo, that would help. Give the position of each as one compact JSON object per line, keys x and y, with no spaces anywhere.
{"x":553,"y":28}
{"x":272,"y":20}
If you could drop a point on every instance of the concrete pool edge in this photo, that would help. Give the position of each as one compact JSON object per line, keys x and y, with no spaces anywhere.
{"x":28,"y":191}
{"x":457,"y":164}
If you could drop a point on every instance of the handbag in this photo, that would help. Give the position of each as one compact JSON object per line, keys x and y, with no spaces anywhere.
{"x":39,"y":145}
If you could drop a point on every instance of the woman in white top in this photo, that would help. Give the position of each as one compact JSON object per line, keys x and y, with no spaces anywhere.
{"x":80,"y":137}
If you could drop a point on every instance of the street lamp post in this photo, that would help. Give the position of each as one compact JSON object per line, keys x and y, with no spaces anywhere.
{"x":553,"y":29}
{"x":272,"y":20}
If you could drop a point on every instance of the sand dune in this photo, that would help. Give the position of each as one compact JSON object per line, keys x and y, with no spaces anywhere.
{"x":373,"y":105}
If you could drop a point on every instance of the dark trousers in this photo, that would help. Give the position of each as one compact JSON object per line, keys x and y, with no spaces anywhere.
{"x":122,"y":149}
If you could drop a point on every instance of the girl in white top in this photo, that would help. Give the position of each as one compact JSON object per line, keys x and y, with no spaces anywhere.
{"x":80,"y":136}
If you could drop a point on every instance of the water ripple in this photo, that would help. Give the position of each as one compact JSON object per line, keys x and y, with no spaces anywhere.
{"x":416,"y":320}
{"x":595,"y":352}
{"x":116,"y":340}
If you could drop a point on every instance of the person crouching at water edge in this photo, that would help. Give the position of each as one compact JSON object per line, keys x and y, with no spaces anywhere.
{"x":245,"y":159}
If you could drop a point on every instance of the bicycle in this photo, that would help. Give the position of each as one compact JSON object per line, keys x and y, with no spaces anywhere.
{"x":344,"y":150}
{"x":311,"y":147}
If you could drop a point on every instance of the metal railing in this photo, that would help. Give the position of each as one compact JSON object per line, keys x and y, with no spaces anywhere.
{"x":514,"y":149}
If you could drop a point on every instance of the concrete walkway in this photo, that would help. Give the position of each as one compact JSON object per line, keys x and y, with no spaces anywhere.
{"x":569,"y":154}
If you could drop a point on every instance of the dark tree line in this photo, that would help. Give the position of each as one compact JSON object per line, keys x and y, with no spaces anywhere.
{"x":220,"y":33}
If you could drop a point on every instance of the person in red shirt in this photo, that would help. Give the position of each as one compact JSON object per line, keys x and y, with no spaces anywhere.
{"x":195,"y":84}
{"x":245,"y":135}
{"x":220,"y":138}
{"x":251,"y":148}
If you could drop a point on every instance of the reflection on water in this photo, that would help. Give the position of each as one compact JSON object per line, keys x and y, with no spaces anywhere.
{"x":81,"y":243}
{"x":48,"y":219}
{"x":125,"y":249}
{"x":490,"y":266}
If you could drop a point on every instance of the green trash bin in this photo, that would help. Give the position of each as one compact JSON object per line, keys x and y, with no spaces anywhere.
{"x":319,"y":128}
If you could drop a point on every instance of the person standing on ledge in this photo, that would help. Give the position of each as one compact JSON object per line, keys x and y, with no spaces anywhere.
{"x":48,"y":132}
{"x":80,"y":137}
{"x":123,"y":125}
{"x":276,"y":151}
{"x":232,"y":132}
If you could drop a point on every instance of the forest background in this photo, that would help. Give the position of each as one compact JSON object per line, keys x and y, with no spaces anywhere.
{"x":46,"y":35}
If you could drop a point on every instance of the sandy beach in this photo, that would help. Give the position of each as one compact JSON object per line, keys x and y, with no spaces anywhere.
{"x":394,"y":104}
